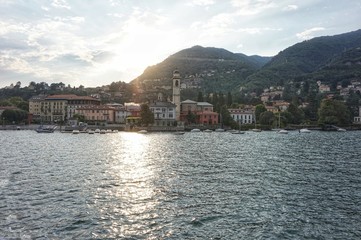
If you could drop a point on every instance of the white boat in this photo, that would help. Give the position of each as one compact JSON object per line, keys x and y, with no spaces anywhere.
{"x":256,"y":130}
{"x":179,"y":133}
{"x":238,"y":132}
{"x":103,"y":131}
{"x":75,"y":131}
{"x":108,"y":131}
{"x":219,"y":130}
{"x":91,"y":131}
{"x":341,"y":130}
{"x":143,"y":131}
{"x":115,"y":131}
{"x":304,"y":130}
{"x":97,"y":130}
{"x":283,"y":131}
{"x":208,"y":130}
{"x":195,"y":130}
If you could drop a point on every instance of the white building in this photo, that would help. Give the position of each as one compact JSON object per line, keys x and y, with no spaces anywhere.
{"x":164,"y":113}
{"x":242,"y":116}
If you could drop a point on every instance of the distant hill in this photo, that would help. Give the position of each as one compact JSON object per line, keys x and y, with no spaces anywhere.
{"x":214,"y":69}
{"x":330,"y":59}
{"x":312,"y":58}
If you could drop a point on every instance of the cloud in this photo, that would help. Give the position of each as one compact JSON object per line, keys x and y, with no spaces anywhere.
{"x":290,"y":8}
{"x":252,"y":7}
{"x":202,"y":3}
{"x":60,"y":4}
{"x":308,"y":34}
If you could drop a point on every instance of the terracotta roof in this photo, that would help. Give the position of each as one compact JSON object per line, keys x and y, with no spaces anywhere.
{"x":69,"y":97}
{"x":96,"y":107}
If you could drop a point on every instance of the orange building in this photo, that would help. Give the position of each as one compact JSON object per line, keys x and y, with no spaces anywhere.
{"x":99,"y":113}
{"x":202,"y":110}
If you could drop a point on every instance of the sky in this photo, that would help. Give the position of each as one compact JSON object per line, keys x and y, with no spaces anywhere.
{"x":97,"y":42}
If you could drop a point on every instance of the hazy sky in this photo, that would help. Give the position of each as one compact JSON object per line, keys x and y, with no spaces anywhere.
{"x":96,"y":42}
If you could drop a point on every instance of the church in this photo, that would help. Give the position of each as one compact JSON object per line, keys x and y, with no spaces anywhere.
{"x":177,"y":113}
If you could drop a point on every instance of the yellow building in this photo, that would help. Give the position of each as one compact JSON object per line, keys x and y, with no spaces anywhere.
{"x":58,"y":108}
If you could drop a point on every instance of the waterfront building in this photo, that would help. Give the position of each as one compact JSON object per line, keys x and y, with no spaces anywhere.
{"x":203,"y":112}
{"x":58,"y":108}
{"x":35,"y":107}
{"x":164,"y":113}
{"x":133,"y":113}
{"x":97,"y":113}
{"x":242,"y":116}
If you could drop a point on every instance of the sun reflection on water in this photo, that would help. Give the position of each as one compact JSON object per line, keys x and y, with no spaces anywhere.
{"x":131,"y":174}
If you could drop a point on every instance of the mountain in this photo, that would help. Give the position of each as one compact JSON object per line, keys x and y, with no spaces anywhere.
{"x":211,"y":69}
{"x":310,"y":58}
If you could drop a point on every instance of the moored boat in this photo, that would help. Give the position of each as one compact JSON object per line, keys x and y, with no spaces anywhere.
{"x":195,"y":130}
{"x":179,"y":133}
{"x":341,"y":130}
{"x":238,"y":132}
{"x":304,"y":130}
{"x":256,"y":130}
{"x":45,"y":129}
{"x":283,"y":131}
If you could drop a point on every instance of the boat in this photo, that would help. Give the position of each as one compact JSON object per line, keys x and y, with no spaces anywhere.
{"x":195,"y":130}
{"x":208,"y":130}
{"x":115,"y":131}
{"x":103,"y":131}
{"x":143,"y":131}
{"x":45,"y":129}
{"x":304,"y":130}
{"x":283,"y":131}
{"x":341,"y":130}
{"x":179,"y":133}
{"x":219,"y":130}
{"x":238,"y":132}
{"x":97,"y":130}
{"x":75,"y":131}
{"x":91,"y":131}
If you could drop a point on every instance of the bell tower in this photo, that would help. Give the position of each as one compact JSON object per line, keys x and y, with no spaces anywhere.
{"x":176,"y":93}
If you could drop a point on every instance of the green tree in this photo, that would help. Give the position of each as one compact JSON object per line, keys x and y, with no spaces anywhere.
{"x":191,"y":117}
{"x":16,"y":116}
{"x":297,"y":114}
{"x":333,"y":112}
{"x":260,"y":108}
{"x":5,"y":103}
{"x":146,"y":115}
{"x":226,"y":118}
{"x":200,"y":97}
{"x":229,"y":99}
{"x":266,"y":118}
{"x":79,"y":117}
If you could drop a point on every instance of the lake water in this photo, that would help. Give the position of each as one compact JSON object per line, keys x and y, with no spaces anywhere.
{"x":192,"y":186}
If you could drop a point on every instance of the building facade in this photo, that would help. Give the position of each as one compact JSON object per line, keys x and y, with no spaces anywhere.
{"x":97,"y":113}
{"x":242,"y":116}
{"x":203,"y":112}
{"x":58,"y":108}
{"x":164,"y":113}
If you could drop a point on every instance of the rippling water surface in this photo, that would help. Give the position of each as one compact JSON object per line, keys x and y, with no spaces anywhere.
{"x":193,"y":186}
